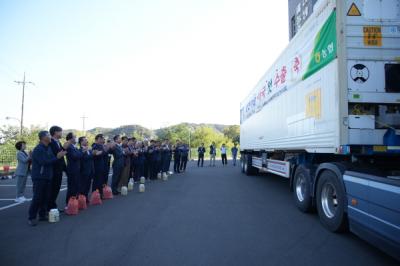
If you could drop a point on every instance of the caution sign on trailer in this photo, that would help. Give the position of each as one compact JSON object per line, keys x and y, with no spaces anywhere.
{"x":353,"y":11}
{"x":372,"y":36}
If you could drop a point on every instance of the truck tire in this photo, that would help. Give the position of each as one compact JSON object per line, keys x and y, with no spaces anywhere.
{"x":249,"y":169}
{"x":302,"y":189}
{"x":331,"y":200}
{"x":242,"y":162}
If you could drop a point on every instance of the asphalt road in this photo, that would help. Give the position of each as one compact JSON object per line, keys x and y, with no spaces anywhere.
{"x":206,"y":216}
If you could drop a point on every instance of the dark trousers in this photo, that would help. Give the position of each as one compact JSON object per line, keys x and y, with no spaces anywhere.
{"x":184,"y":160}
{"x":177,"y":163}
{"x":159,"y":164}
{"x":139,"y":171}
{"x":153,"y":169}
{"x":106,"y":173}
{"x":224,"y":160}
{"x":73,"y":186}
{"x":116,"y":177}
{"x":98,"y":181}
{"x":55,"y":188}
{"x":41,"y":193}
{"x":132,"y":169}
{"x":85,"y":184}
{"x":166,"y":164}
{"x":201,"y":159}
{"x":146,"y":168}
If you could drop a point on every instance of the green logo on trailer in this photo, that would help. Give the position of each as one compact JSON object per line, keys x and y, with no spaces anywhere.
{"x":325,"y":46}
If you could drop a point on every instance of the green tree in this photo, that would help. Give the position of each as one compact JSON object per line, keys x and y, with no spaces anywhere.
{"x":233,"y":133}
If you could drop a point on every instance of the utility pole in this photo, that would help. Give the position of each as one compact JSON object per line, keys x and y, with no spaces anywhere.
{"x":83,"y":123}
{"x":23,"y":82}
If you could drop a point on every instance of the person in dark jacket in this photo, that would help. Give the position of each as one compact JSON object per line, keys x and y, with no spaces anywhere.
{"x":140,"y":157}
{"x":118,"y":163}
{"x":158,"y":157}
{"x":73,"y":167}
{"x":59,"y":167}
{"x":167,"y":156}
{"x":87,"y":167}
{"x":177,"y":156}
{"x":131,"y":145}
{"x":184,"y":157}
{"x":234,"y":152}
{"x":107,"y":160}
{"x":201,"y":151}
{"x":43,"y":160}
{"x":213,"y":154}
{"x":99,"y":161}
{"x":127,"y":163}
{"x":152,"y":157}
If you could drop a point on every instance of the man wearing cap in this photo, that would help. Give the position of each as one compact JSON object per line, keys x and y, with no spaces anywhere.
{"x":43,"y":160}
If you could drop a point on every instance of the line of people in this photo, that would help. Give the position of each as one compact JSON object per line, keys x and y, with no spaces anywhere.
{"x":88,"y":168}
{"x":213,"y":153}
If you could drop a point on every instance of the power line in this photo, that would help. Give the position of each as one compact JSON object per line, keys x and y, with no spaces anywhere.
{"x":23,"y":82}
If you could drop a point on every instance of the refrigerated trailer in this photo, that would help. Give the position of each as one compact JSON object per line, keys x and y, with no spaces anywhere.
{"x":326,"y":115}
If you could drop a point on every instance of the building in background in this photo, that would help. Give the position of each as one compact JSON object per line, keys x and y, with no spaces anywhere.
{"x":299,"y":11}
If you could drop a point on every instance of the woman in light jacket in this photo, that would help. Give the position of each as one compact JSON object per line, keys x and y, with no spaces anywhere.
{"x":21,"y":172}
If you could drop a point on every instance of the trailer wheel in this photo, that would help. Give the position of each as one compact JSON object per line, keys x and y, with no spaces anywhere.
{"x":249,"y":169}
{"x":331,"y":200}
{"x":302,"y":189}
{"x":242,"y":162}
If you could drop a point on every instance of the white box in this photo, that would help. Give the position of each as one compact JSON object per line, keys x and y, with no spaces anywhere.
{"x":362,"y":121}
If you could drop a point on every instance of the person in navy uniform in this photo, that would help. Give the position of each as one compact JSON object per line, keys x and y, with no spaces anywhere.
{"x":118,"y":163}
{"x":127,"y":163}
{"x":73,"y":167}
{"x":99,"y":162}
{"x":201,"y":151}
{"x":184,"y":157}
{"x":131,"y":146}
{"x":177,"y":156}
{"x":87,"y":167}
{"x":234,"y":152}
{"x":167,"y":156}
{"x":140,"y":157}
{"x":43,"y":161}
{"x":59,"y":167}
{"x":158,"y":157}
{"x":213,"y":154}
{"x":152,"y":157}
{"x":107,"y":160}
{"x":163,"y":153}
{"x":146,"y":168}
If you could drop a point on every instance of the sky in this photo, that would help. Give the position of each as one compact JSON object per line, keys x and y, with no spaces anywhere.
{"x":149,"y":62}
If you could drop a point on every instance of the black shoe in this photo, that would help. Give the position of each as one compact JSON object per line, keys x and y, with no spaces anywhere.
{"x":32,"y":222}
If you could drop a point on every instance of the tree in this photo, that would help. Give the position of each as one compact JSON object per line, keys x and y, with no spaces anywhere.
{"x":233,"y":133}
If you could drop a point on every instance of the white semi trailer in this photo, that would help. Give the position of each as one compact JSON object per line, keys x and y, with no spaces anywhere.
{"x":326,"y":115}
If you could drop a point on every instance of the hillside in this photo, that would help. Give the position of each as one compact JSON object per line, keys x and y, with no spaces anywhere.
{"x":138,"y":130}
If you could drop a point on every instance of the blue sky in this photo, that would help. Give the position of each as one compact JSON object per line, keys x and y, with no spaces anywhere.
{"x":153,"y":63}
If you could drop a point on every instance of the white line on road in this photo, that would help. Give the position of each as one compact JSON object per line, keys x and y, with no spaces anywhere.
{"x":18,"y":203}
{"x":26,"y":185}
{"x":10,"y":199}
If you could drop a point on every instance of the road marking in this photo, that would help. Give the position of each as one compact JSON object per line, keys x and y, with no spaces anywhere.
{"x":10,"y":199}
{"x":18,"y":203}
{"x":26,"y":185}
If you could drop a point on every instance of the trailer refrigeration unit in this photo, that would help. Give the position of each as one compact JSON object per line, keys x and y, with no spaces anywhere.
{"x":326,"y":115}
